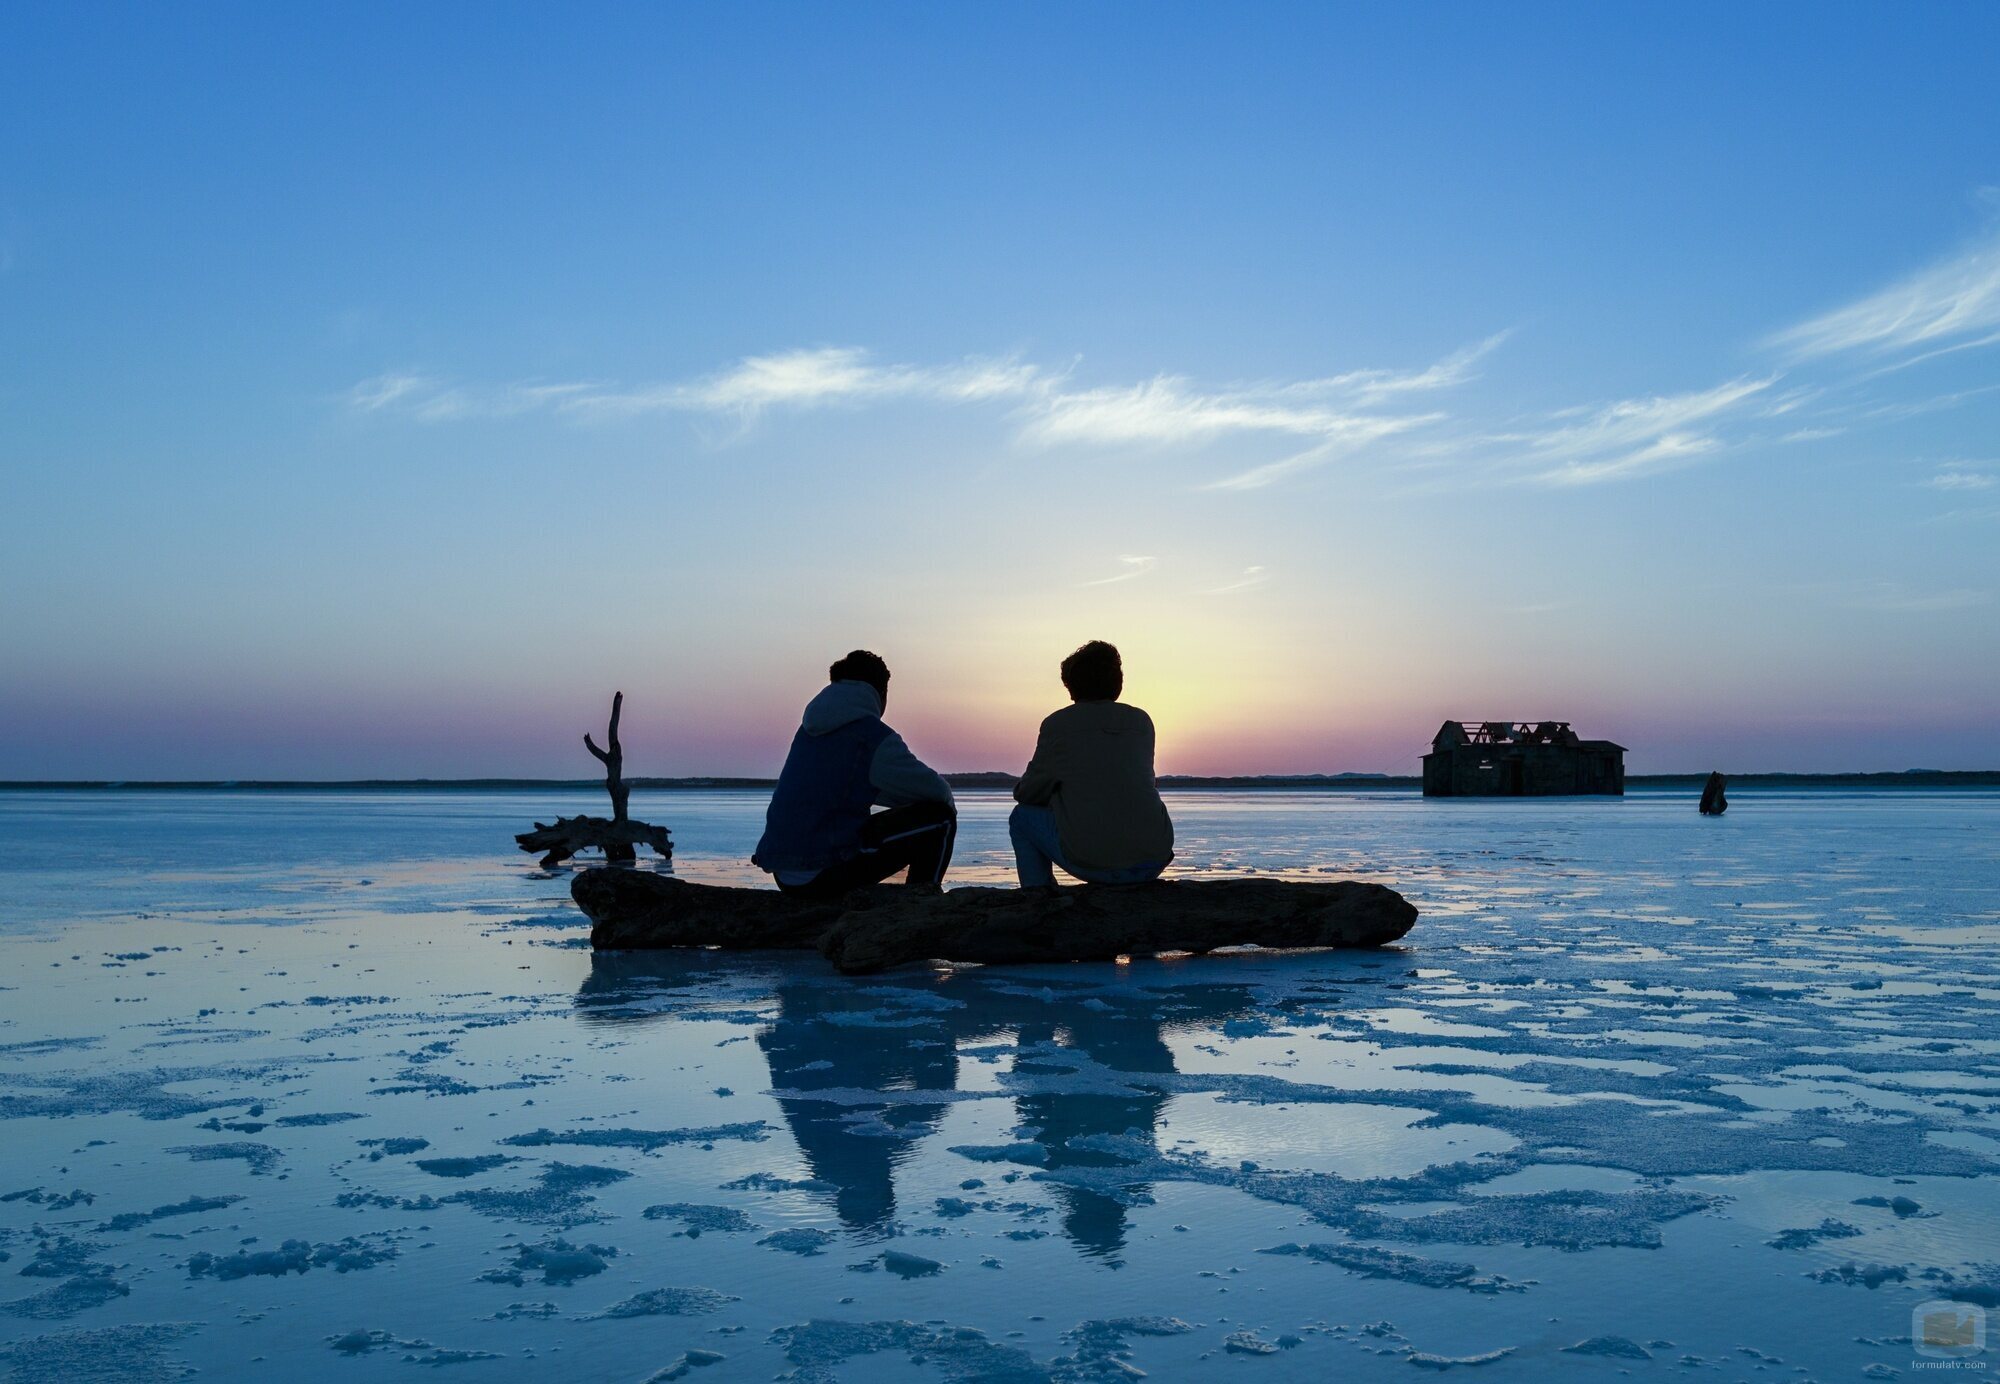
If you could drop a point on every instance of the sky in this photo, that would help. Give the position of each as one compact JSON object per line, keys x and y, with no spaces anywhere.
{"x":383,"y":386}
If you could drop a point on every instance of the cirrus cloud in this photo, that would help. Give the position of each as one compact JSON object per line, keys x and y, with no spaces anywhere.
{"x":1952,"y":305}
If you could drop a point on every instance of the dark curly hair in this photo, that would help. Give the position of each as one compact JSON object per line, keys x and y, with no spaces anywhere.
{"x":1094,"y":673}
{"x":862,"y":666}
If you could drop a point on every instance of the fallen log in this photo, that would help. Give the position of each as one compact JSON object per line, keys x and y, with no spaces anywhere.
{"x":888,"y":925}
{"x":636,"y":910}
{"x":568,"y":835}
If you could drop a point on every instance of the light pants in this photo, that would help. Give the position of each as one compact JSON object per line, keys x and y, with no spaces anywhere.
{"x":1038,"y":847}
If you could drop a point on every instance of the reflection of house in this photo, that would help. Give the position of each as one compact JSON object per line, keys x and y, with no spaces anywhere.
{"x":1509,"y":759}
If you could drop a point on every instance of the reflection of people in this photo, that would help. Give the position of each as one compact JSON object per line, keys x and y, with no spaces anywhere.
{"x":1125,"y":1041}
{"x":810,"y":1049}
{"x":819,"y":834}
{"x":813,"y":1044}
{"x":1088,"y":800}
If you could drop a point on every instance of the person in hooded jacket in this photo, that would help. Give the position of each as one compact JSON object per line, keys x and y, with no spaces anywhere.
{"x":1088,"y":799}
{"x":821,"y":833}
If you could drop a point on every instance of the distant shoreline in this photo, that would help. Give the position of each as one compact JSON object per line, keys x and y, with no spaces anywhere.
{"x":1334,"y":783}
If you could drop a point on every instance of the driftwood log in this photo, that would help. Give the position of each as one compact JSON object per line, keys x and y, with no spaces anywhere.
{"x":567,"y":835}
{"x":888,"y":925}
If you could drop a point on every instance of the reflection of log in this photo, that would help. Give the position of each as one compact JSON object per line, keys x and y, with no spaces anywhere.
{"x":887,"y":925}
{"x":1713,"y":801}
{"x":572,"y":834}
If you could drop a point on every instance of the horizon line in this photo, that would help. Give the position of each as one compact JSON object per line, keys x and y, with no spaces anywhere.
{"x":972,"y":779}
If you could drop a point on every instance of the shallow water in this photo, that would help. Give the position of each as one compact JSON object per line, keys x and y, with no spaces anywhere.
{"x":330,"y":1085}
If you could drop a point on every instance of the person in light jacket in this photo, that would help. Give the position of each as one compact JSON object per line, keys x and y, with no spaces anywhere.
{"x":821,"y":834}
{"x":1087,"y":800}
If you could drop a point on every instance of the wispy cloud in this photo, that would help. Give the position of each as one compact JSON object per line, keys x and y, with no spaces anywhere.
{"x":1134,"y":566}
{"x":1349,"y":439}
{"x":1170,"y":409}
{"x":1324,"y":418}
{"x":802,"y":379}
{"x":383,"y":391}
{"x":1958,"y":477}
{"x":1252,"y":578}
{"x":1335,"y":414}
{"x":817,"y":378}
{"x":1916,"y":408}
{"x":1376,"y":386}
{"x":1952,"y":305}
{"x":1634,"y":436}
{"x":508,"y":402}
{"x":429,"y":400}
{"x":1258,"y":434}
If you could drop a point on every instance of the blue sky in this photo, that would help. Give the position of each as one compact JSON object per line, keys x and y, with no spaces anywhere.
{"x":379,"y":387}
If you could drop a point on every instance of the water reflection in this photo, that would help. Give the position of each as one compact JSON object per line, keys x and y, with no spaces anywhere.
{"x":1125,"y":1040}
{"x":905,"y":1034}
{"x":810,"y":1050}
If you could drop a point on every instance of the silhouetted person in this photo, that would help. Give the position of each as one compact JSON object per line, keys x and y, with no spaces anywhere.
{"x":820,"y":833}
{"x":1088,"y":800}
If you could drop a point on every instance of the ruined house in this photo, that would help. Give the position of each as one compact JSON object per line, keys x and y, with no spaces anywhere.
{"x":1514,"y":759}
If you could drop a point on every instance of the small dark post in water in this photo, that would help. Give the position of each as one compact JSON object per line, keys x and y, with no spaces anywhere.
{"x":1713,"y":803}
{"x":613,"y":760}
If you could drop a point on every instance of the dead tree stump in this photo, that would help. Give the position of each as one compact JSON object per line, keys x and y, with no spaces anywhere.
{"x":1714,"y":801}
{"x":616,"y":837}
{"x":613,"y":760}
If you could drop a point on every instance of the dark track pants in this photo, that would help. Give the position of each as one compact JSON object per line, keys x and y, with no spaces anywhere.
{"x":917,"y":838}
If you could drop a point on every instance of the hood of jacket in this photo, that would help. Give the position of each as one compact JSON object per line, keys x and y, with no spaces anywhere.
{"x":1105,"y":717}
{"x":839,"y":704}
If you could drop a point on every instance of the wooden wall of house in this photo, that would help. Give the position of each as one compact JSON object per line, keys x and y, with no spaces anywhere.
{"x":1488,"y":771}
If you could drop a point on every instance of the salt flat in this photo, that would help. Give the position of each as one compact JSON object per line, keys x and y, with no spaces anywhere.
{"x":330,"y":1086}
